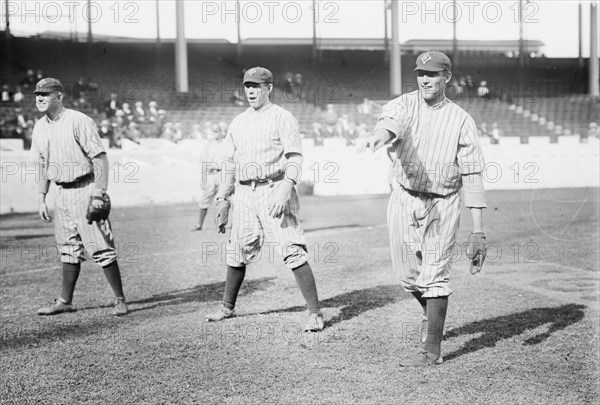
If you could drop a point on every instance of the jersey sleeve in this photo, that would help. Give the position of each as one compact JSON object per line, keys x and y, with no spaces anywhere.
{"x":290,"y":134}
{"x":88,"y":137}
{"x":228,"y":150}
{"x":395,"y":117}
{"x":470,"y":156}
{"x":36,"y":152}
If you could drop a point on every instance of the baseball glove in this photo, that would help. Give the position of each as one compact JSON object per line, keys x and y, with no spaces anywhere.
{"x":222,"y":214}
{"x":476,"y":251}
{"x":98,"y":212}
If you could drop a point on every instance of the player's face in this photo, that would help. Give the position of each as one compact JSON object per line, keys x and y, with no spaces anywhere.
{"x":48,"y":103}
{"x":432,"y":85}
{"x":257,"y":94}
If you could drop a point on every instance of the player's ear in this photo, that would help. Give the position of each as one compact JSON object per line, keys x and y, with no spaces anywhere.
{"x":448,"y":75}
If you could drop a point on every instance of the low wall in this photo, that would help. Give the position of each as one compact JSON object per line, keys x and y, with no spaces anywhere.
{"x":168,"y":173}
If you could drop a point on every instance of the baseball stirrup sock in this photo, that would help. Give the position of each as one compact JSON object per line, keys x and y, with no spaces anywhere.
{"x":306,"y":283}
{"x":70,"y":273}
{"x":113,"y":275}
{"x":233,"y":282}
{"x":436,"y":316}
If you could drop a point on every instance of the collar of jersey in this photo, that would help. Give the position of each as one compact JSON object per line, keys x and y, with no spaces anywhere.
{"x":265,"y":108}
{"x":59,"y":116}
{"x":437,"y":105}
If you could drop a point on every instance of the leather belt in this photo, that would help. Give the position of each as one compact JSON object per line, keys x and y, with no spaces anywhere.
{"x":420,"y":193}
{"x":262,"y":182}
{"x":77,"y":182}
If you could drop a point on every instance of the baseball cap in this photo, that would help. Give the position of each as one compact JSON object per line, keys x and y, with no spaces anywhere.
{"x":433,"y":61}
{"x":258,"y":75}
{"x":48,"y":85}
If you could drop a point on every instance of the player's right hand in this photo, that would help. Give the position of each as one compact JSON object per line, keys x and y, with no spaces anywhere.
{"x":379,"y":138}
{"x":43,"y":212}
{"x":222,"y":214}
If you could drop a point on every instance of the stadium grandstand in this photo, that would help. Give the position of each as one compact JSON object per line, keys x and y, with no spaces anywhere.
{"x":544,"y":97}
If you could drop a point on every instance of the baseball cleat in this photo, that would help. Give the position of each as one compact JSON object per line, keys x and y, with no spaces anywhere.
{"x":221,"y":314}
{"x":196,"y":228}
{"x":60,"y":306}
{"x":120,"y":307}
{"x":423,"y":359}
{"x":315,"y":323}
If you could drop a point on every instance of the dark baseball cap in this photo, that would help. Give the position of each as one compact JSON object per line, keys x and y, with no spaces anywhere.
{"x":433,"y":61}
{"x":258,"y":75}
{"x":48,"y":85}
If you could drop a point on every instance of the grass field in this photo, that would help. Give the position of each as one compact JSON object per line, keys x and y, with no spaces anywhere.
{"x":525,"y":330}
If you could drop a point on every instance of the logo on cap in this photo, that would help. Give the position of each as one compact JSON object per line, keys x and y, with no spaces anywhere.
{"x":426,"y":57}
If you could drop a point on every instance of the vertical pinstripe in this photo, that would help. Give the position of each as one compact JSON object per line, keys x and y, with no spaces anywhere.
{"x":257,"y":142}
{"x":440,"y":145}
{"x":426,"y":225}
{"x":66,"y":147}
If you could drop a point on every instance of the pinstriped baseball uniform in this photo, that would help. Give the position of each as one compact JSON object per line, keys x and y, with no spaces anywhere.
{"x":437,"y":147}
{"x":257,"y":142}
{"x":65,"y":147}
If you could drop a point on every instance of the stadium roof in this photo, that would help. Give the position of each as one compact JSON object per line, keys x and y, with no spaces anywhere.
{"x":418,"y":45}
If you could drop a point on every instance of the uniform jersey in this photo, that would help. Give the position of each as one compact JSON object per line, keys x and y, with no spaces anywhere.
{"x":440,"y":145}
{"x":66,"y":145}
{"x":257,"y":142}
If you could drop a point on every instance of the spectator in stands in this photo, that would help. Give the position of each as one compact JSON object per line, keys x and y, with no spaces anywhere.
{"x":6,"y":96}
{"x":316,"y":133}
{"x":139,"y":115}
{"x":79,"y":93}
{"x":483,"y":130}
{"x":298,"y":82}
{"x":592,"y":132}
{"x":482,"y":91}
{"x":111,"y":106}
{"x":330,"y":118}
{"x":152,"y":111}
{"x":18,"y":97}
{"x":223,"y":127}
{"x":178,"y":132}
{"x":196,"y":132}
{"x":29,"y":81}
{"x":168,"y":131}
{"x":495,"y":134}
{"x":107,"y":131}
{"x":127,"y":111}
{"x":28,"y":134}
{"x":39,"y":75}
{"x":455,"y":90}
{"x":133,"y":132}
{"x":363,"y":131}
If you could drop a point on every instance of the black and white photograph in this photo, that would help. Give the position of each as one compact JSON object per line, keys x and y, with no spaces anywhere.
{"x":299,"y":202}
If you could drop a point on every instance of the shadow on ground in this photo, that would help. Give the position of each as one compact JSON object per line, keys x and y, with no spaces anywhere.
{"x":356,"y":302}
{"x":505,"y":327}
{"x":34,"y":330}
{"x":200,"y":293}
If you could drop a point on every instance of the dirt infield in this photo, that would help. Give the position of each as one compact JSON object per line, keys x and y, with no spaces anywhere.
{"x":524,"y":330}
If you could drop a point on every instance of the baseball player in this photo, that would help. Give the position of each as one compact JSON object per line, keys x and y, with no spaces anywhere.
{"x":67,"y":151}
{"x":437,"y":153}
{"x":263,"y":153}
{"x":210,"y":178}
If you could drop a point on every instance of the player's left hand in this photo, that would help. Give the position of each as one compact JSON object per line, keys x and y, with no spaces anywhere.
{"x":280,"y":198}
{"x":476,"y":251}
{"x":98,"y":208}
